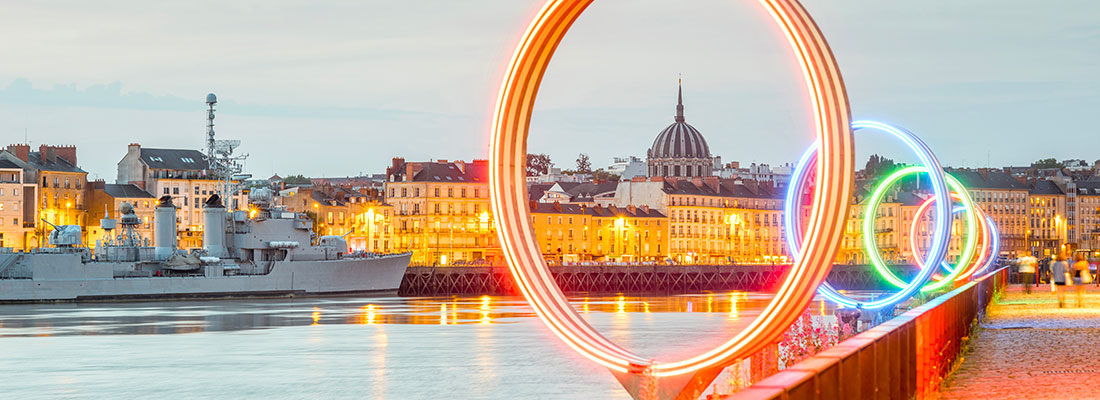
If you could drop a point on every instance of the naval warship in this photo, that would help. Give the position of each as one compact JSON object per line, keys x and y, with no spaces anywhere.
{"x":265,"y":252}
{"x":262,"y":250}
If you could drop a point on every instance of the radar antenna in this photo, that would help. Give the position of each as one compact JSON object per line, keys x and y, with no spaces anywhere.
{"x":223,"y":164}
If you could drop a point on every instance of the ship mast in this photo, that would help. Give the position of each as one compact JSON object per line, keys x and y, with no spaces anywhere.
{"x":226,"y":167}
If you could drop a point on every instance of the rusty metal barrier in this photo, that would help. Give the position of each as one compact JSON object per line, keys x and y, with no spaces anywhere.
{"x":904,"y":358}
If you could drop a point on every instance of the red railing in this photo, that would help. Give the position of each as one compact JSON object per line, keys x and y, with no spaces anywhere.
{"x":904,"y":358}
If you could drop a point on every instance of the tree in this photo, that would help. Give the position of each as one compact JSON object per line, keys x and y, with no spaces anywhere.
{"x":584,"y":165}
{"x":878,"y":165}
{"x":1047,"y":163}
{"x":296,"y":180}
{"x":600,"y":175}
{"x":538,"y":164}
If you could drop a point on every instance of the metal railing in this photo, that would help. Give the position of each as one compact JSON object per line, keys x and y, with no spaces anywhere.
{"x":904,"y":358}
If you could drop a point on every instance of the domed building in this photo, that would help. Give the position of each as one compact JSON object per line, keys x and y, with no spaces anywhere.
{"x":680,"y":150}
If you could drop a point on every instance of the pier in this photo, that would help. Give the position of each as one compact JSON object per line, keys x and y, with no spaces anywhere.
{"x":629,"y":279}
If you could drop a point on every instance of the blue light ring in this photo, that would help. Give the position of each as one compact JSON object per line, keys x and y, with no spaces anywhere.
{"x":941,"y":239}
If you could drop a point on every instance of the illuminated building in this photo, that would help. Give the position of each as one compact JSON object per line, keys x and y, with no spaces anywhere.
{"x":17,"y":201}
{"x":361,"y":214}
{"x":572,"y":232}
{"x":1047,"y":214}
{"x":181,"y":173}
{"x":441,"y":211}
{"x":713,"y":220}
{"x":1088,"y":215}
{"x":61,"y":188}
{"x":105,"y":200}
{"x":1004,"y":198}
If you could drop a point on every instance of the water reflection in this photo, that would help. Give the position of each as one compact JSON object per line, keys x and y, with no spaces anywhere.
{"x":189,"y":317}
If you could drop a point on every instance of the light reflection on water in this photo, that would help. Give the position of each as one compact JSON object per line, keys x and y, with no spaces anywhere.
{"x":481,"y":347}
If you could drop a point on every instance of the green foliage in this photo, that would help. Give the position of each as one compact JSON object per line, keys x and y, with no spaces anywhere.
{"x":538,"y":164}
{"x":878,"y":166}
{"x":1047,"y":163}
{"x":296,"y":180}
{"x":584,"y":164}
{"x":600,"y":175}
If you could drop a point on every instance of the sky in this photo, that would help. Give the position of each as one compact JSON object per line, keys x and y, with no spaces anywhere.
{"x":338,"y":88}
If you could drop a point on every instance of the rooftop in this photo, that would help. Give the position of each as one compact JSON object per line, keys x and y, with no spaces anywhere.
{"x":178,"y":159}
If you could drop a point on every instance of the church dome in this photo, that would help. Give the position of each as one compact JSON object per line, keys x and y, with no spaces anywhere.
{"x":680,"y":140}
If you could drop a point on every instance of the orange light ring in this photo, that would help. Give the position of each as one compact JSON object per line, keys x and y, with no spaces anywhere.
{"x":828,"y":211}
{"x":982,"y":237}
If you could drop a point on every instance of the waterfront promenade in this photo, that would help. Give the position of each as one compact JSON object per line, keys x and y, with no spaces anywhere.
{"x":1028,"y":348}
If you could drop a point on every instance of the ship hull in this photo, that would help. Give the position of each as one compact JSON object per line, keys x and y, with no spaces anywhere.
{"x":56,"y":283}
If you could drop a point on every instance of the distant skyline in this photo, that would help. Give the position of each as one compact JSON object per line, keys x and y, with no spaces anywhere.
{"x":335,"y":89}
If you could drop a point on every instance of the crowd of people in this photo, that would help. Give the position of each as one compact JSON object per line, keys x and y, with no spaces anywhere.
{"x":1061,"y":272}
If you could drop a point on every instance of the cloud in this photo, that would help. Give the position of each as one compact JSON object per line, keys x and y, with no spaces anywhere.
{"x":111,"y":95}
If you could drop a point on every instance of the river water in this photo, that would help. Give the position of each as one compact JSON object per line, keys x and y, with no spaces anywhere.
{"x":354,"y":348}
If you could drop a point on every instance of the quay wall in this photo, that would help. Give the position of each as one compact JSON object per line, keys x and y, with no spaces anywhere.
{"x":904,"y":358}
{"x":631,"y":279}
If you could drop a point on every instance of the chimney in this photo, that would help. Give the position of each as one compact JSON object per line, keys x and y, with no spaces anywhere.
{"x":461,"y":165}
{"x":133,"y":150}
{"x":67,"y":153}
{"x":21,"y":151}
{"x":712,"y":181}
{"x":645,"y":208}
{"x":632,"y":210}
{"x":99,"y":184}
{"x":441,"y":161}
{"x":44,"y":155}
{"x":411,"y":169}
{"x":395,"y":166}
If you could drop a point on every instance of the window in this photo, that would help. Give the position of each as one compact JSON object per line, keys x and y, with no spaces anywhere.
{"x":477,"y":192}
{"x":450,"y":192}
{"x":436,"y":192}
{"x":463,"y":192}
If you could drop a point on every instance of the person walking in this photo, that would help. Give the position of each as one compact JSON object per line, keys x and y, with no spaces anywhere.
{"x":1081,"y":277}
{"x":1027,"y":266}
{"x":1060,"y":277}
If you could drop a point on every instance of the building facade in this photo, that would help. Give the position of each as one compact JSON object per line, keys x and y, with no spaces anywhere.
{"x":578,"y":233}
{"x":1004,"y":198}
{"x":1047,"y":218}
{"x":360,"y":215}
{"x":17,"y":201}
{"x":442,"y":212}
{"x":713,"y":220}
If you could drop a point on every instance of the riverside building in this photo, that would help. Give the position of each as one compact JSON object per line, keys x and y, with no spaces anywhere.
{"x":442,"y":212}
{"x":579,"y":232}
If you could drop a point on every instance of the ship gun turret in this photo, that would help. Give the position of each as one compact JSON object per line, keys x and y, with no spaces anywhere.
{"x":64,"y":235}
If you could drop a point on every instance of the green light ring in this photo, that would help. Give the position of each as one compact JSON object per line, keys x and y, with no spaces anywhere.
{"x":872,"y":244}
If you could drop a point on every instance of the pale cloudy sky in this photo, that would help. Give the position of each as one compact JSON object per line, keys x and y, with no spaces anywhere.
{"x":338,"y":88}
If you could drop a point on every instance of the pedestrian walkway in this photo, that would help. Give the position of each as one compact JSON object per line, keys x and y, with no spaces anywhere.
{"x":1028,"y":348}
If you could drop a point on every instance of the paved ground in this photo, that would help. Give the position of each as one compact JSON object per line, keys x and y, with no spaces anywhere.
{"x":1028,"y":348}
